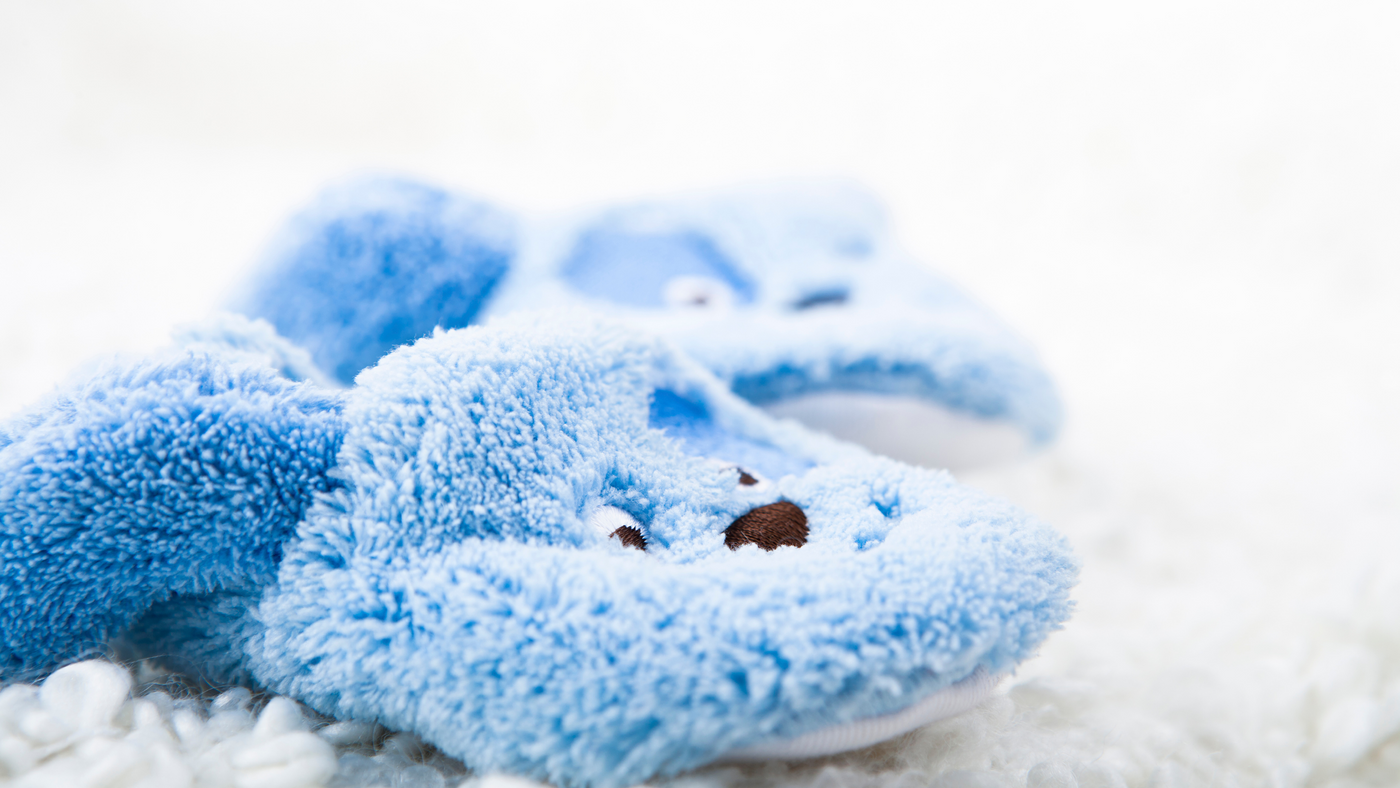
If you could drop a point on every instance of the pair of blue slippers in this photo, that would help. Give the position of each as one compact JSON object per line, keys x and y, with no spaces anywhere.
{"x":547,"y":523}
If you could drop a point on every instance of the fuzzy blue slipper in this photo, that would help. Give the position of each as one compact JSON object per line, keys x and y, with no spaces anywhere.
{"x":550,"y":546}
{"x":796,"y":295}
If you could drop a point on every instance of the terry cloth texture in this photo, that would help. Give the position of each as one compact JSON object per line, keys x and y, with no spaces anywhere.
{"x":233,"y":334}
{"x":365,"y":271}
{"x":182,"y":474}
{"x":453,"y":586}
{"x":782,"y":290}
{"x":446,"y":579}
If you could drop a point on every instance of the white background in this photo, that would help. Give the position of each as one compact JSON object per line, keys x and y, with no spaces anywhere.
{"x":1192,"y":208}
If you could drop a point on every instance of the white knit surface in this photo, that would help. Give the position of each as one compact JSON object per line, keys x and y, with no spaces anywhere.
{"x":1191,"y":208}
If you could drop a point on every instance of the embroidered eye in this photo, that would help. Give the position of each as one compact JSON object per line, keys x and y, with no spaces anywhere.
{"x":770,"y":527}
{"x":832,"y":296}
{"x":614,"y":523}
{"x":753,"y":481}
{"x":631,"y":537}
{"x":697,"y":292}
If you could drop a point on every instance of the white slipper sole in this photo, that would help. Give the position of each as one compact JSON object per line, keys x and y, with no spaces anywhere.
{"x":907,"y":428}
{"x":945,"y":703}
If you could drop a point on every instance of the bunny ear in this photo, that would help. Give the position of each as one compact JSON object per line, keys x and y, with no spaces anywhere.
{"x":377,"y":263}
{"x":233,"y":334}
{"x":175,"y":475}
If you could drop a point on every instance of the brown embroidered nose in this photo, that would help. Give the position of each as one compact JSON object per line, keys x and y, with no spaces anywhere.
{"x":746,"y":478}
{"x":631,"y":537}
{"x":769,"y":527}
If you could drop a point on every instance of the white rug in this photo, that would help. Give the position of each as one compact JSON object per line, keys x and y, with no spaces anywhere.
{"x":1191,"y":209}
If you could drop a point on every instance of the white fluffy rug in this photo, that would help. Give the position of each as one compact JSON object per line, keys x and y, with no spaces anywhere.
{"x":1191,"y":209}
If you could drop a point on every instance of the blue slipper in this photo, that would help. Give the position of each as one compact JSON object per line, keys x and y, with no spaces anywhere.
{"x":550,"y":546}
{"x":795,"y":295}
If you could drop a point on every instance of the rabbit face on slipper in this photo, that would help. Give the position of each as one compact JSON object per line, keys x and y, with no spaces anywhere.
{"x":794,"y":294}
{"x":474,"y":579}
{"x":559,"y":548}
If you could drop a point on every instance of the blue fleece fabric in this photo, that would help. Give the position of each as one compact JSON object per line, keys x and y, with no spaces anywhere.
{"x":782,"y":290}
{"x":633,"y":268}
{"x":446,"y":580}
{"x":182,"y":474}
{"x":366,"y":271}
{"x":256,"y":341}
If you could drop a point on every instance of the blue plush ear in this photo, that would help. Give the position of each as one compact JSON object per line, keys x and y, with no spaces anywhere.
{"x":378,"y":263}
{"x":179,"y":475}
